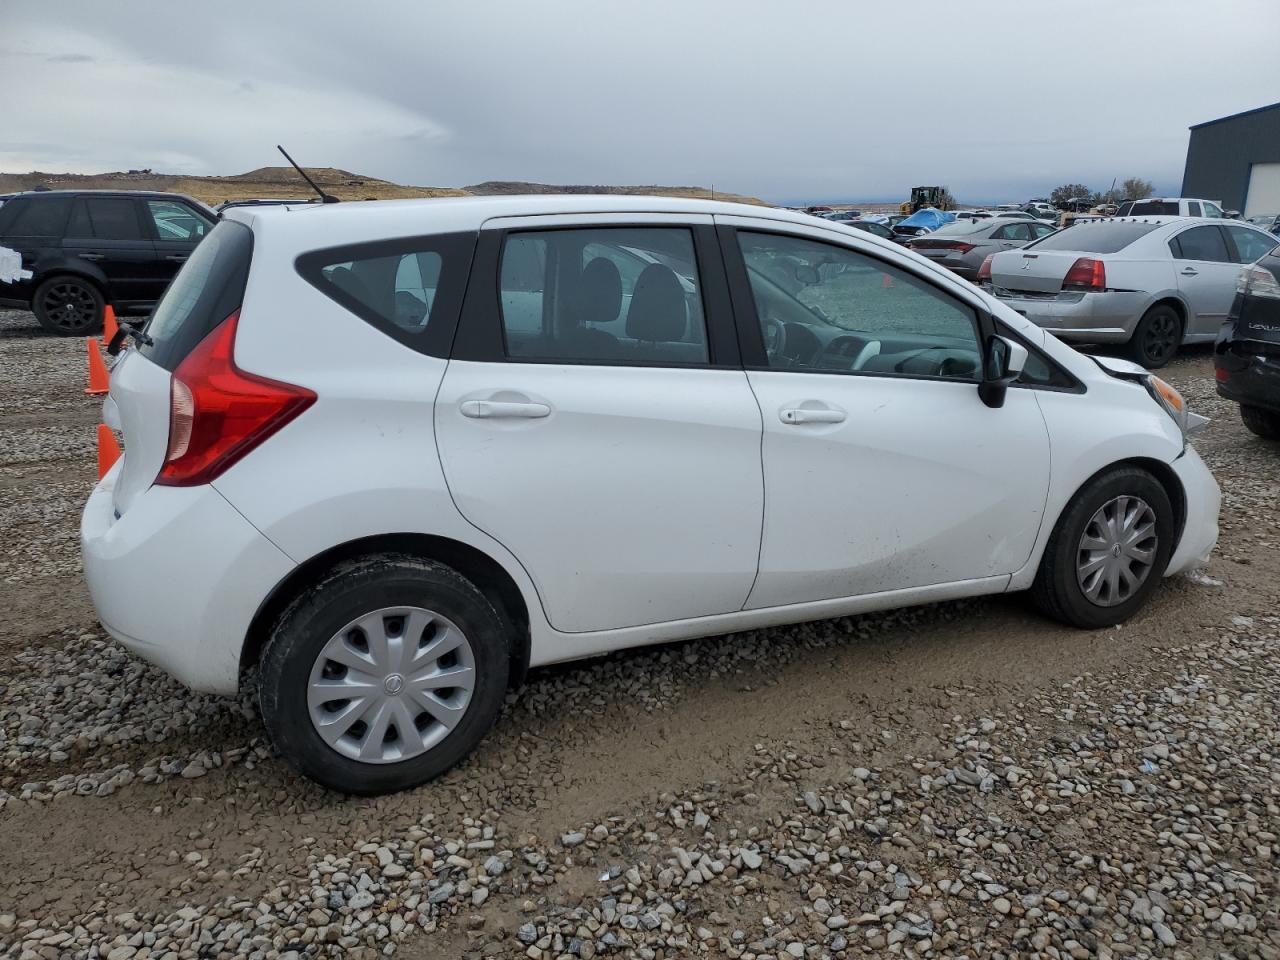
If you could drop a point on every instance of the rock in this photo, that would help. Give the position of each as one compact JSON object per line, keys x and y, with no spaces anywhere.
{"x":572,"y":839}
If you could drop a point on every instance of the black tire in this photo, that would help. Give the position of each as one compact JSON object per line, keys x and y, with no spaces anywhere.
{"x":1157,"y":337}
{"x":68,"y":305}
{"x":352,"y":590}
{"x":1057,"y":590}
{"x":1265,"y":423}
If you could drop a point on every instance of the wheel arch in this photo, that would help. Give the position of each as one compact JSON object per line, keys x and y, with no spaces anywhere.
{"x":1170,"y":298}
{"x":1163,"y":473}
{"x":488,"y":575}
{"x":59,"y":268}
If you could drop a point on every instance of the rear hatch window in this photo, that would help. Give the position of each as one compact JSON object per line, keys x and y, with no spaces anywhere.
{"x":1099,"y":237}
{"x":207,"y":290}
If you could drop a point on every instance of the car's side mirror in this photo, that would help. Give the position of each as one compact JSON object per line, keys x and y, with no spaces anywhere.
{"x":1004,"y":362}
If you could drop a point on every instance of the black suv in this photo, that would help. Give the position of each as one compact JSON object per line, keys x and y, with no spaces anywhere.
{"x":87,"y":248}
{"x":1247,"y":354}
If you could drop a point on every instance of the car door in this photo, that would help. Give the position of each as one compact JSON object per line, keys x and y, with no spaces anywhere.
{"x":108,"y":232}
{"x":1012,"y":235}
{"x":175,"y":229}
{"x":600,"y":425}
{"x":1206,"y":277}
{"x":884,"y":470}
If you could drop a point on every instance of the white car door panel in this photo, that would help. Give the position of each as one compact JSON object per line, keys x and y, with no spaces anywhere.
{"x":599,"y":445}
{"x":919,"y":483}
{"x":884,"y":470}
{"x":1206,"y":278}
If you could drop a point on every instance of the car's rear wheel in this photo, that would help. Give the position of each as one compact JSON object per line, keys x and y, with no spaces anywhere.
{"x":1157,"y":336}
{"x":1108,"y":550}
{"x":1265,"y":423}
{"x":383,"y":674}
{"x":69,"y":306}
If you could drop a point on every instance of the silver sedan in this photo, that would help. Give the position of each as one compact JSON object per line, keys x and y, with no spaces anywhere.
{"x":963,"y":245}
{"x":1152,"y":283}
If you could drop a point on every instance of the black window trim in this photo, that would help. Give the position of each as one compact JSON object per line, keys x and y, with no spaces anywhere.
{"x":457,"y":254}
{"x":747,"y":319}
{"x":1002,"y":329}
{"x":481,"y":335}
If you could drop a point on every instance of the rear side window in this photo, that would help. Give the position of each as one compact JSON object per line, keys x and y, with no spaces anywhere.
{"x":37,"y":218}
{"x":1200,"y":243}
{"x":626,"y":295}
{"x":1098,"y":237}
{"x":207,"y":290}
{"x":401,"y":287}
{"x":1250,"y":244}
{"x":104,"y":218}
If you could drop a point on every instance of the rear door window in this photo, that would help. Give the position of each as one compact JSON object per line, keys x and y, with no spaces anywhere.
{"x":625,"y":295}
{"x":1200,"y":243}
{"x":206,"y":291}
{"x":114,"y":218}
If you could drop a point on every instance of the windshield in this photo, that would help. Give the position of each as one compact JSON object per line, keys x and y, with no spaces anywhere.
{"x":1096,"y":237}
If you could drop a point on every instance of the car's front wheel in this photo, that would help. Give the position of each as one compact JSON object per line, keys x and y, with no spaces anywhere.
{"x":1265,"y":423}
{"x":68,"y":305}
{"x":1108,"y":551}
{"x":383,"y":674}
{"x":1157,"y":336}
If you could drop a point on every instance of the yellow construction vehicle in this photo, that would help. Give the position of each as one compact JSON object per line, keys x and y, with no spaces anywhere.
{"x":921,"y":197}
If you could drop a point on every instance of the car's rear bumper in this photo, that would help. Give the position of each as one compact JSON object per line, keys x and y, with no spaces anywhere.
{"x":1249,"y":377}
{"x":1108,"y":317}
{"x":178,"y":579}
{"x":1203,"y":500}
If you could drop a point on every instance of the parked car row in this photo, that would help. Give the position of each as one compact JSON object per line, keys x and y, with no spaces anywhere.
{"x":1151,"y":283}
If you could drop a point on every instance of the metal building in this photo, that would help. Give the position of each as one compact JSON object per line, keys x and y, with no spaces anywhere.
{"x":1236,"y":161}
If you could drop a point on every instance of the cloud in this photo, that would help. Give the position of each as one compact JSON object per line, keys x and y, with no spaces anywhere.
{"x":820,"y":99}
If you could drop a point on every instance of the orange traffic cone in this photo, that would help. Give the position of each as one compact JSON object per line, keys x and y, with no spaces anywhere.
{"x":108,"y":450}
{"x":109,"y":325}
{"x":99,"y":381}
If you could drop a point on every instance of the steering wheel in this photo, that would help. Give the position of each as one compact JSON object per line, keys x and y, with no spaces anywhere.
{"x":775,"y":338}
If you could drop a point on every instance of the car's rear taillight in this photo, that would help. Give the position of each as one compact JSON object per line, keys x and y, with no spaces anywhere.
{"x":1086,"y":274}
{"x":218,"y":412}
{"x":1258,"y":282}
{"x":984,"y":271}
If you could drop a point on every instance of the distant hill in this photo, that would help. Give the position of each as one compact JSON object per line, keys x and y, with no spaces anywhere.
{"x":285,"y":182}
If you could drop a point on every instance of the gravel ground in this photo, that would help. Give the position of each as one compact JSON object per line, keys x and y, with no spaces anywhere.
{"x":958,"y":780}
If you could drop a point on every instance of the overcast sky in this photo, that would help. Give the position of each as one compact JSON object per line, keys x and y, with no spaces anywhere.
{"x":788,"y":100}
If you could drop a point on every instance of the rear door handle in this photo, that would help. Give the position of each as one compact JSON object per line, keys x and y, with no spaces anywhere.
{"x":504,"y":409}
{"x":91,"y":256}
{"x":793,"y":415}
{"x":1190,"y":272}
{"x":178,"y":257}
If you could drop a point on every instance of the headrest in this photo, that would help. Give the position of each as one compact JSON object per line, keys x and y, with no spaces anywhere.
{"x":658,"y":312}
{"x":596,"y":296}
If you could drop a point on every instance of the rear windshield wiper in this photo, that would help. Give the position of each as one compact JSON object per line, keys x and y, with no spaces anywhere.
{"x":129,"y":328}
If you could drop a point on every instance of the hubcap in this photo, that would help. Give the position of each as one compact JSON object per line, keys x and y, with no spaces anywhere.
{"x":391,"y":685}
{"x":1116,"y":551}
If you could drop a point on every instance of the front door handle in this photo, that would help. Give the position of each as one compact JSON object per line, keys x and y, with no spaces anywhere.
{"x":90,"y":256}
{"x":504,"y":409}
{"x":176,"y":257}
{"x":793,"y":415}
{"x":1189,"y":272}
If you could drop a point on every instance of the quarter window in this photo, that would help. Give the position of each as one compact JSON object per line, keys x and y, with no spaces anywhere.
{"x":1200,"y":243}
{"x":628,"y":295}
{"x":827,"y":309}
{"x":38,"y":218}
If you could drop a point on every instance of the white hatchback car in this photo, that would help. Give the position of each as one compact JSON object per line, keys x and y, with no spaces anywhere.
{"x":391,"y":455}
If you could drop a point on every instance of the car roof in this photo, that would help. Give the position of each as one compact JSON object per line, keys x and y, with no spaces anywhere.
{"x":317,"y":225}
{"x":102,"y":193}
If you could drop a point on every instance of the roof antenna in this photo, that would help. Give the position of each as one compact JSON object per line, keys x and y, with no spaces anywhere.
{"x":324,"y":197}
